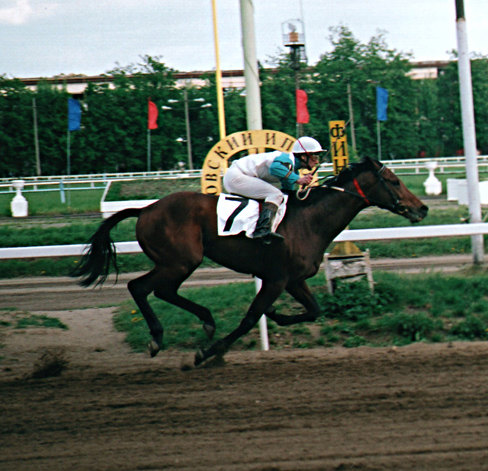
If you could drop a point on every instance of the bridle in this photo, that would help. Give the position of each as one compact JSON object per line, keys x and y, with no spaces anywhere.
{"x":395,"y":206}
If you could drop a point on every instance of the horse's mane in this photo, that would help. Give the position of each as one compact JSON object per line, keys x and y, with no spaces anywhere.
{"x":351,"y":172}
{"x":341,"y":179}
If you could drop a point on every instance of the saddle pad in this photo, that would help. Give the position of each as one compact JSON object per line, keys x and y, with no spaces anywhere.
{"x":236,"y":214}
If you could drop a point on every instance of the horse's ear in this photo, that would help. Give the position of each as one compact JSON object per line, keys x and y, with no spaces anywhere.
{"x":370,"y":162}
{"x":373,"y":162}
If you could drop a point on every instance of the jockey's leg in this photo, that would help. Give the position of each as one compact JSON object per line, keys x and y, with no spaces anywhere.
{"x":252,"y":187}
{"x":265,"y":222}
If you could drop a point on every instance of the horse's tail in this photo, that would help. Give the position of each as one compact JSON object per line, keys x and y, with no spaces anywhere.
{"x":95,"y":263}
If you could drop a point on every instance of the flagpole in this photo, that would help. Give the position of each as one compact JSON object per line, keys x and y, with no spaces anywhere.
{"x":74,"y":123}
{"x":68,"y":165}
{"x":152,"y":123}
{"x":351,"y":118}
{"x":36,"y":137}
{"x":381,"y":114}
{"x":378,"y":138}
{"x":148,"y":150}
{"x":68,"y":157}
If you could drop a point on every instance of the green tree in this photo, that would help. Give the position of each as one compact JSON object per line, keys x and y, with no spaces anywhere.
{"x":423,"y":115}
{"x":278,"y":94}
{"x":16,"y":129}
{"x":361,"y":68}
{"x":115,"y":125}
{"x":448,"y":115}
{"x":479,"y":70}
{"x":427,"y":105}
{"x":52,"y":111}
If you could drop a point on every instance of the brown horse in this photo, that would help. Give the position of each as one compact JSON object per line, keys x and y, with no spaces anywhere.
{"x":177,"y":231}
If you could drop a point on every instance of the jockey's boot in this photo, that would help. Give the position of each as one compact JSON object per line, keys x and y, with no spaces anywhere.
{"x":265,"y":222}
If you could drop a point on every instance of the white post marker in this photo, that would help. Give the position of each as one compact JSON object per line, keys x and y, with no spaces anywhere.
{"x":19,"y":205}
{"x":433,"y":186}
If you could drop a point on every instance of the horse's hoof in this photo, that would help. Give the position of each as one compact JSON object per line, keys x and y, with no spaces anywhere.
{"x":153,"y":348}
{"x":203,"y":361}
{"x":186,"y":363}
{"x":209,"y":330}
{"x":199,"y":357}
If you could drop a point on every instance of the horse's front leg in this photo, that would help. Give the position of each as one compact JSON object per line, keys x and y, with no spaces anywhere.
{"x":262,"y":302}
{"x":301,"y":292}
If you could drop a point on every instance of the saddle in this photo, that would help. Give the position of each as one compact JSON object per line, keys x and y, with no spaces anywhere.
{"x":236,"y":214}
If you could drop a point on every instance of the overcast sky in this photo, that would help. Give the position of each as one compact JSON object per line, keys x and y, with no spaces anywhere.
{"x":42,"y":38}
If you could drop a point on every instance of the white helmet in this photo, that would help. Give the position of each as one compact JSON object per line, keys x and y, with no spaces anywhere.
{"x":306,"y":145}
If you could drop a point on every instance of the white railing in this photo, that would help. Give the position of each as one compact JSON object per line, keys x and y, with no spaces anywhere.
{"x":54,"y":185}
{"x":355,"y":235}
{"x":71,"y":183}
{"x":445,"y":165}
{"x":403,"y":167}
{"x":101,"y":177}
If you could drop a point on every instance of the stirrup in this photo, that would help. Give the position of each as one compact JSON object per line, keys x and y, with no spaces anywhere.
{"x":260,"y":235}
{"x":266,"y":234}
{"x":275,"y":235}
{"x":267,"y":239}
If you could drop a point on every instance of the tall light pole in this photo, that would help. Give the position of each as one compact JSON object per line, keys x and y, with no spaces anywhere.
{"x":186,"y":110}
{"x":294,"y":38}
{"x":188,"y":130}
{"x":36,"y":137}
{"x":251,"y":71}
{"x":253,"y":107}
{"x":351,"y":118}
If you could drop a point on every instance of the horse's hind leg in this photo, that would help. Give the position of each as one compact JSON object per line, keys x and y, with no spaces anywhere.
{"x":167,"y":291}
{"x":165,"y":282}
{"x":140,"y":288}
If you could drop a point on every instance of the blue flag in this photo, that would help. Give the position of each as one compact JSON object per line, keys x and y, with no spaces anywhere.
{"x":381,"y":103}
{"x":74,"y":114}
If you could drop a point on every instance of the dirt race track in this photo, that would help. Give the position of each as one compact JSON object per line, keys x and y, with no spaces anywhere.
{"x":422,"y":407}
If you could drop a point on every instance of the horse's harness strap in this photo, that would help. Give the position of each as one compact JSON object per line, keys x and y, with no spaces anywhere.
{"x":360,"y":191}
{"x":396,"y":206}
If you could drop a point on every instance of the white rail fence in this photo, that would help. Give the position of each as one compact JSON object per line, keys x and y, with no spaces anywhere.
{"x":353,"y":235}
{"x":446,"y":165}
{"x":388,"y":233}
{"x":88,"y":182}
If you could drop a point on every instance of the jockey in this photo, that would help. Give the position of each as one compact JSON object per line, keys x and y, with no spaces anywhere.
{"x":253,"y":177}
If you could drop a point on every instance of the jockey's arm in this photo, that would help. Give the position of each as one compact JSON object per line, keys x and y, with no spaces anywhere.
{"x":283,"y":168}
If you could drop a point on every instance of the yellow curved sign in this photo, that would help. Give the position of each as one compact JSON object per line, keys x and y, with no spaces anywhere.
{"x":252,"y":142}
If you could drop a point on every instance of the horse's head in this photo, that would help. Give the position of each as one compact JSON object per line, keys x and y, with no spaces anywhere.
{"x":379,"y":186}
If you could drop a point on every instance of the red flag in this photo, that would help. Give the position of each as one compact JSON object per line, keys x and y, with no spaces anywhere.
{"x":302,"y":111}
{"x":152,"y":115}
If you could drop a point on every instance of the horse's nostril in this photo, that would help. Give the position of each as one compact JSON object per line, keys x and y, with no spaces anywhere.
{"x":424,"y":210}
